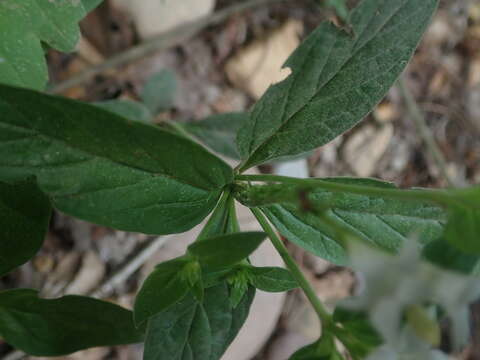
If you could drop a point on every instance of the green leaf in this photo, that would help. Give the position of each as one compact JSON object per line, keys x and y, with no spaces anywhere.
{"x":384,"y":222}
{"x":271,"y":279}
{"x":356,"y":332}
{"x":337,"y":78}
{"x":324,"y":349}
{"x":106,"y":169}
{"x":219,"y":132}
{"x":442,"y":253}
{"x":159,"y":92}
{"x":463,"y":229}
{"x":25,"y":214}
{"x":306,"y":231}
{"x":24,"y":25}
{"x":164,"y":287}
{"x":128,"y":109}
{"x":223,"y":219}
{"x":226,"y":250}
{"x":340,"y":7}
{"x":238,"y":288}
{"x":91,"y":4}
{"x":61,"y":326}
{"x":191,"y":330}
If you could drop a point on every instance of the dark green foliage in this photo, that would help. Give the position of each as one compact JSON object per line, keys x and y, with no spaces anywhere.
{"x":271,"y":279}
{"x":194,"y":331}
{"x":356,"y":332}
{"x":165,"y":286}
{"x":61,"y":326}
{"x":337,"y":78}
{"x":105,"y":169}
{"x":227,"y":250}
{"x":25,"y":214}
{"x":324,"y":349}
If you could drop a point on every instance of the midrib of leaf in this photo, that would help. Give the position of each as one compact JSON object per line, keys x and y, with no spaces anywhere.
{"x":285,"y":120}
{"x":89,"y":154}
{"x":187,"y":338}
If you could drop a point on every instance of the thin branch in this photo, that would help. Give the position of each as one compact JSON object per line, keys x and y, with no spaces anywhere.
{"x":159,"y":42}
{"x":323,"y":315}
{"x":15,"y":355}
{"x":421,"y":124}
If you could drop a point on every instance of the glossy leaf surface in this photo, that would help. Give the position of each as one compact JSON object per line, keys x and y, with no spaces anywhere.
{"x":25,"y":215}
{"x":193,"y":331}
{"x":337,"y":78}
{"x":226,"y":250}
{"x":106,"y":169}
{"x":24,"y":25}
{"x":61,"y":326}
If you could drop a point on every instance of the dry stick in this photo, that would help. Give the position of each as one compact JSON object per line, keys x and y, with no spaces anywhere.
{"x":422,"y":127}
{"x":109,"y":286}
{"x":157,"y":43}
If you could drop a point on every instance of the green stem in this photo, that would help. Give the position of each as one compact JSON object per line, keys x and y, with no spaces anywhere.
{"x":324,"y":316}
{"x":441,"y":197}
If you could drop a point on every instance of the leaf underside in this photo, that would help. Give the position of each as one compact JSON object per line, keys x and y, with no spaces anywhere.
{"x":337,"y":78}
{"x":106,"y":169}
{"x":383,"y":222}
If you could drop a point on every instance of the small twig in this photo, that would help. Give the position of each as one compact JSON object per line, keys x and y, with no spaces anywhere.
{"x":15,"y":355}
{"x":159,"y":42}
{"x":424,"y":131}
{"x":109,"y":286}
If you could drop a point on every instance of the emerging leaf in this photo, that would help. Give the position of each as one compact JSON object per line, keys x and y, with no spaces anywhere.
{"x":24,"y":25}
{"x":226,"y":250}
{"x":61,"y":326}
{"x":191,"y":330}
{"x":222,"y":221}
{"x":337,"y":78}
{"x":106,"y":169}
{"x":25,"y":214}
